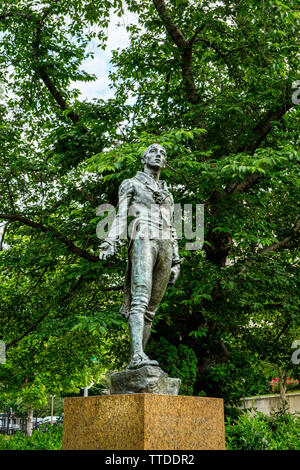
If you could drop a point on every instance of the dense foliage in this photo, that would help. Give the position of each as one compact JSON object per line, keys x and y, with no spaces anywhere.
{"x":179,"y":361}
{"x":280,"y":431}
{"x":213,"y":82}
{"x":40,"y":440}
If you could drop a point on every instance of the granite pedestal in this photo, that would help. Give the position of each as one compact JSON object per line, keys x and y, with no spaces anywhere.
{"x":143,"y":421}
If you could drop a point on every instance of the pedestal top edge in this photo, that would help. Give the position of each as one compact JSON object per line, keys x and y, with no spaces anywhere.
{"x":173,"y":397}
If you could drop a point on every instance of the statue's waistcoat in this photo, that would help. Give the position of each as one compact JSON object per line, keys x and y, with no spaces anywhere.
{"x":151,"y":206}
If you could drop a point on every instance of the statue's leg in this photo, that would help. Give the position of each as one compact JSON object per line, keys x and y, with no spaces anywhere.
{"x":143,"y":258}
{"x":136,"y":328}
{"x":148,"y":318}
{"x":160,"y":279}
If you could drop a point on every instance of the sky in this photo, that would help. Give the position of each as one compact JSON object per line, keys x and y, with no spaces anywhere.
{"x":100,"y":64}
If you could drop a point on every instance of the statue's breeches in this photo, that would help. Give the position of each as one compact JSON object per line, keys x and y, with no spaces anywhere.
{"x":151,"y":261}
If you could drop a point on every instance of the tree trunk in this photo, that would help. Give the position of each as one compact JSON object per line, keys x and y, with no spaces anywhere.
{"x":282,"y":386}
{"x":29,"y":420}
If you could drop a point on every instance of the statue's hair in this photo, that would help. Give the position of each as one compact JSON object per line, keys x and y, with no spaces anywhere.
{"x":147,"y":150}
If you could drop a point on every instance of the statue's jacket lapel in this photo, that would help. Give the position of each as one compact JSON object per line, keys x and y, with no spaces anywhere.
{"x":151,"y":205}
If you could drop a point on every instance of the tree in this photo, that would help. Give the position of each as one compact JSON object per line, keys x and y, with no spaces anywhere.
{"x":213,"y":83}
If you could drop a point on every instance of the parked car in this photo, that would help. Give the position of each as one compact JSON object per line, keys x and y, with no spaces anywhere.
{"x":37,"y":422}
{"x":47,"y":419}
{"x":46,"y":422}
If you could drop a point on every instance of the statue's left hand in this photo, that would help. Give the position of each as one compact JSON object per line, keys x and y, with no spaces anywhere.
{"x":106,"y":251}
{"x":175,"y":270}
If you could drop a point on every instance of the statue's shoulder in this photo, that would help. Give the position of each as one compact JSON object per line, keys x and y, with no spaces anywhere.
{"x":136,"y":180}
{"x":164,"y":185}
{"x":126,"y":187}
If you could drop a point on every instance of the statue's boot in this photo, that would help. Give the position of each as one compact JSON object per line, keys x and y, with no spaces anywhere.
{"x":146,"y":333}
{"x":140,"y":360}
{"x":136,"y":327}
{"x":147,"y":326}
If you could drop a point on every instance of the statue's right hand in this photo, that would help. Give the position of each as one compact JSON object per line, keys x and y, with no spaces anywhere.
{"x":106,"y":251}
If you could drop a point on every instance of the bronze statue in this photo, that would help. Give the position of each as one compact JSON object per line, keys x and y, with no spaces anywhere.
{"x":153,"y":258}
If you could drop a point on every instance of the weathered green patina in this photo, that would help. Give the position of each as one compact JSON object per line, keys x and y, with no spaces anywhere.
{"x":153,"y":258}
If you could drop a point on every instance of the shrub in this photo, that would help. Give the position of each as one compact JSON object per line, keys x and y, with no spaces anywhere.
{"x":279,"y":431}
{"x":290,"y":383}
{"x":179,"y":362}
{"x":49,"y":440}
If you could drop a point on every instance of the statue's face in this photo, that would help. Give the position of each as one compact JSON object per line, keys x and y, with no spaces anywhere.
{"x":155,"y":157}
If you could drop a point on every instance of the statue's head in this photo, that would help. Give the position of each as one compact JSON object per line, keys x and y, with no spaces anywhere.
{"x":155,"y":156}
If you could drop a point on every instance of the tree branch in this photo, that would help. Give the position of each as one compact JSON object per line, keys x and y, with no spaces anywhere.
{"x":2,"y":237}
{"x":285,"y":327}
{"x":235,"y":187}
{"x":275,"y":247}
{"x":283,"y":243}
{"x":68,"y":243}
{"x":60,"y":301}
{"x":9,"y":14}
{"x":39,"y":279}
{"x":173,"y":30}
{"x":10,"y":197}
{"x":44,"y":75}
{"x":57,"y":95}
{"x":185,"y":47}
{"x":261,"y":130}
{"x":39,"y":320}
{"x":195,"y":35}
{"x":223,"y":57}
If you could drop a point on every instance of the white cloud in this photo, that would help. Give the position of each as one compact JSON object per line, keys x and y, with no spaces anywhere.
{"x":100,"y":65}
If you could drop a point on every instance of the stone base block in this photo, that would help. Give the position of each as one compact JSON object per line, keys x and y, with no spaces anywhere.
{"x":147,"y":379}
{"x":143,"y":422}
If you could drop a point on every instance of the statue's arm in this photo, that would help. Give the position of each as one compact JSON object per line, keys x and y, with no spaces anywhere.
{"x":176,"y":260}
{"x":118,"y":228}
{"x":175,"y":254}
